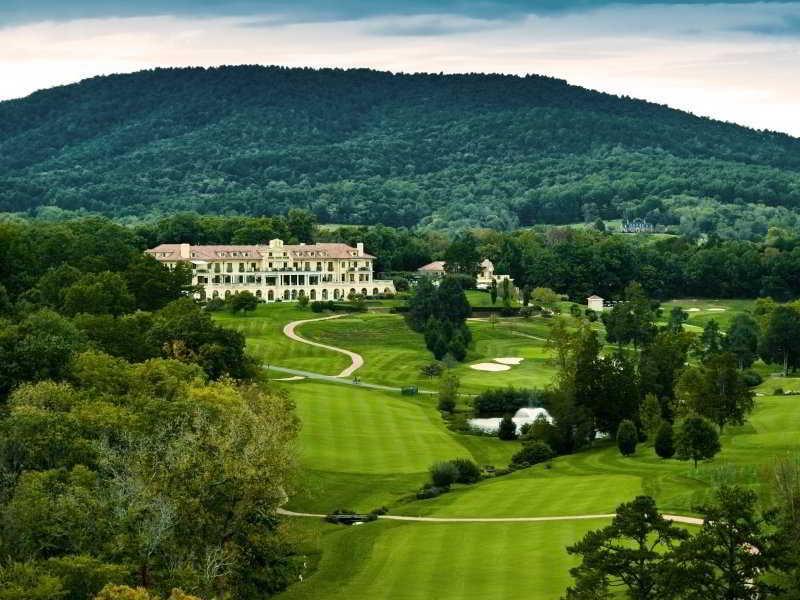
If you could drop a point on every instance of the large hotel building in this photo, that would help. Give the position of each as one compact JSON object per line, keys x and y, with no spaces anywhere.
{"x":277,"y":271}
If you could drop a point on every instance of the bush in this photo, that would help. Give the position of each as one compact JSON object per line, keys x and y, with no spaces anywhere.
{"x":533,"y":453}
{"x":215,"y":304}
{"x":508,"y":429}
{"x":443,"y":474}
{"x":627,"y":438}
{"x":526,"y":312}
{"x":499,"y":401}
{"x":468,"y":471}
{"x":401,"y":284}
{"x":433,"y":369}
{"x":777,"y":392}
{"x":302,"y":301}
{"x":752,"y":378}
{"x":320,"y":306}
{"x":430,"y":491}
{"x":665,"y":441}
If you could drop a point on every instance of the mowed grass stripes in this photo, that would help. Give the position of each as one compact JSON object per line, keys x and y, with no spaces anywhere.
{"x":419,"y":561}
{"x":267,"y":343}
{"x":355,"y":430}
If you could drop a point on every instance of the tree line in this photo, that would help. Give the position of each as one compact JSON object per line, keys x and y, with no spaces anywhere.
{"x":137,"y":449}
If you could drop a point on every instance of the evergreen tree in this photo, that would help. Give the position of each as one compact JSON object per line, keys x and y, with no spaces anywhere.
{"x":508,"y":429}
{"x":629,"y":558}
{"x":665,"y":441}
{"x":627,"y":437}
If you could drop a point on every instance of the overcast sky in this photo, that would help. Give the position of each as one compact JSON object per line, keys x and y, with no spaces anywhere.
{"x":737,"y":61}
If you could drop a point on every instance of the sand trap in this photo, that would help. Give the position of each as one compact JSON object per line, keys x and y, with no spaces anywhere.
{"x":490,"y":367}
{"x":692,"y":310}
{"x":509,"y":360}
{"x":716,"y":309}
{"x":294,"y":378}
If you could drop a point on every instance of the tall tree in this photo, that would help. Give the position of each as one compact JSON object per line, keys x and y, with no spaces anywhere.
{"x":711,"y":340}
{"x":462,"y":255}
{"x":780,"y":342}
{"x":697,"y":440}
{"x":731,"y":556}
{"x":716,"y":390}
{"x":631,"y":556}
{"x":742,"y":340}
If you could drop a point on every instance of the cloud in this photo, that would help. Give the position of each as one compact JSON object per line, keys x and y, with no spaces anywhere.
{"x":785,"y":26}
{"x":434,"y":25}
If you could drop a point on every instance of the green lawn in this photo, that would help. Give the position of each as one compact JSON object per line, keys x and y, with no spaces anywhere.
{"x":263,"y":329}
{"x":362,"y":449}
{"x":394,"y":354}
{"x":702,"y":311}
{"x":365,"y":448}
{"x":418,"y":561}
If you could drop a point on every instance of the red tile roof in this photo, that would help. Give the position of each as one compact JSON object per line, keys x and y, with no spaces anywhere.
{"x":294,"y":251}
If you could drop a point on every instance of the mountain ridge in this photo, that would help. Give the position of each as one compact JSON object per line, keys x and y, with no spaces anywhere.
{"x":364,"y":146}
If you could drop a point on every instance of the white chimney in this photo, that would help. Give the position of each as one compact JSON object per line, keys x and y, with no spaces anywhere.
{"x":186,"y":251}
{"x":360,"y":248}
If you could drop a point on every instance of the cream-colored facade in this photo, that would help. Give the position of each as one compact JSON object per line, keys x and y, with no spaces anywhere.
{"x":483,"y":279}
{"x":277,"y":271}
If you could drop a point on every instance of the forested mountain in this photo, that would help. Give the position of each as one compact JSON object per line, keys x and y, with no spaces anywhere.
{"x":360,"y":146}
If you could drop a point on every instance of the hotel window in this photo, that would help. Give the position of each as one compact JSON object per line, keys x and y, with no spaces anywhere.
{"x":216,"y":268}
{"x":229,"y":267}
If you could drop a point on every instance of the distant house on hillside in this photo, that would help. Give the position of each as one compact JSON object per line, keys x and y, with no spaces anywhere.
{"x":595,"y":303}
{"x":483,"y":279}
{"x":434,"y":269}
{"x":637,"y":226}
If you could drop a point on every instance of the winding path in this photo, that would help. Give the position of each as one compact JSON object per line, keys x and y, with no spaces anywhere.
{"x":673,"y":518}
{"x":357,"y":361}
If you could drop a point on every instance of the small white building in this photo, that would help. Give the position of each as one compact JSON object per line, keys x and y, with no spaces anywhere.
{"x":483,"y":280}
{"x":595,"y":303}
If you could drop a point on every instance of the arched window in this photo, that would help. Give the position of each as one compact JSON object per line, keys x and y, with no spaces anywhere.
{"x":374,"y":291}
{"x":363,"y":291}
{"x":227,"y":293}
{"x":335,"y":294}
{"x":313,"y":294}
{"x":285,"y":294}
{"x":387,"y":291}
{"x":258,"y":293}
{"x":324,"y":294}
{"x":352,"y":292}
{"x":215,"y":294}
{"x":270,"y":295}
{"x":294,"y":294}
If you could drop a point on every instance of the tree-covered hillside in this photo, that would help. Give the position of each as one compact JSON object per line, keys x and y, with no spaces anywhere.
{"x":362,"y":146}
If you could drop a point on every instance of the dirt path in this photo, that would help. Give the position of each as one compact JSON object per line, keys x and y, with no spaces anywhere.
{"x":357,"y":361}
{"x":674,"y":518}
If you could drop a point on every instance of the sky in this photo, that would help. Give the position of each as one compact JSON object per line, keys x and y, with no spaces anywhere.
{"x":736,"y":61}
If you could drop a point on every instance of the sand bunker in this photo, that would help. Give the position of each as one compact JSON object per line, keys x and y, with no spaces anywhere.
{"x":490,"y":367}
{"x":716,"y":309}
{"x":509,"y":360}
{"x":692,"y":310}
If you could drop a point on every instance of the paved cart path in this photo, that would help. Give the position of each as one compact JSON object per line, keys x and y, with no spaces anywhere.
{"x":674,"y":518}
{"x":357,"y":361}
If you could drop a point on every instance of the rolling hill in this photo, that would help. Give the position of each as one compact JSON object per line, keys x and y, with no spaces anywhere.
{"x":362,"y":146}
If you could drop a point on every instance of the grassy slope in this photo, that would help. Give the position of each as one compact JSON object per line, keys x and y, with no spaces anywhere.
{"x":420,"y":561}
{"x":363,"y":449}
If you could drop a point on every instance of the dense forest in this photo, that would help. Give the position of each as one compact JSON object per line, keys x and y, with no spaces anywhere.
{"x":367,"y":147}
